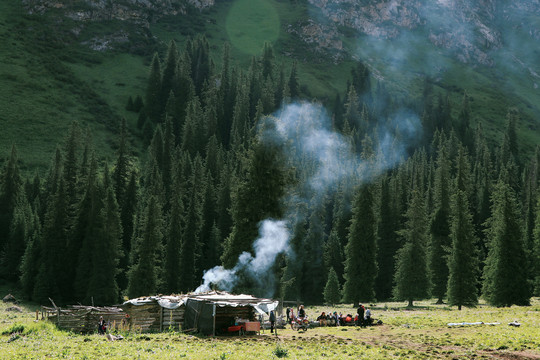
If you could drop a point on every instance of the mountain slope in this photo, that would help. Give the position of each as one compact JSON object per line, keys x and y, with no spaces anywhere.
{"x":64,"y":61}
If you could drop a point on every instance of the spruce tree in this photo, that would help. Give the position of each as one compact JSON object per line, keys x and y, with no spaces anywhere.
{"x":387,"y":242}
{"x":331,"y":289}
{"x":313,"y":261}
{"x":31,"y":259}
{"x":292,"y":85}
{"x":257,"y":198}
{"x":143,"y":275}
{"x":102,"y":284}
{"x":505,"y":272}
{"x":152,"y":101}
{"x":190,"y":250}
{"x":463,"y":259}
{"x":440,"y":227}
{"x":19,"y":233}
{"x":411,"y":277}
{"x":361,"y":250}
{"x":10,"y":186}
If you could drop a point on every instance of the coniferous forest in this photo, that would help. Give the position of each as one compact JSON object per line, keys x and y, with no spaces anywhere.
{"x":373,"y":197}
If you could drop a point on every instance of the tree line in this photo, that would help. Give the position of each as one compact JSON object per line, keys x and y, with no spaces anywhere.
{"x":457,"y":219}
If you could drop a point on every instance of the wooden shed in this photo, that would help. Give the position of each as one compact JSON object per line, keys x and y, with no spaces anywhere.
{"x":155,"y":313}
{"x":84,"y":319}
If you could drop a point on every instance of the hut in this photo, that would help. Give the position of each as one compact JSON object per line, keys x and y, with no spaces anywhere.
{"x":216,"y":312}
{"x":84,"y":319}
{"x":155,"y":313}
{"x":209,"y":313}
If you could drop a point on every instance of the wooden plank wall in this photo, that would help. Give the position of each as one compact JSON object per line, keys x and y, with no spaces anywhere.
{"x":153,"y":318}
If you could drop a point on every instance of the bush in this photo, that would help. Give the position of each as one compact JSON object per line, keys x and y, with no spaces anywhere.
{"x":280,"y":352}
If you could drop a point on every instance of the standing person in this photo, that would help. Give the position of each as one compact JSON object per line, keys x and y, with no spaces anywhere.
{"x":288,"y":312}
{"x":272,"y":319}
{"x":102,"y":328}
{"x":368,"y":317}
{"x":292,"y":319}
{"x":361,"y":311}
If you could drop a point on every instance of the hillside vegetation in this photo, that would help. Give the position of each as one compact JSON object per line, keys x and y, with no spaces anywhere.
{"x":51,"y":77}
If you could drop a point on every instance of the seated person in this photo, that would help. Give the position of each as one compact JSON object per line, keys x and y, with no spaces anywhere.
{"x":322,"y":319}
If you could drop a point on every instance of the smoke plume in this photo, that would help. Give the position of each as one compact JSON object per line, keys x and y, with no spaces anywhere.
{"x":323,"y":158}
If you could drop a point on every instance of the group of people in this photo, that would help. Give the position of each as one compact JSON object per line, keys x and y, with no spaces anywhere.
{"x":362,"y":317}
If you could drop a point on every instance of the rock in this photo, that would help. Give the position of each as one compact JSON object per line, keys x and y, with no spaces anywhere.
{"x":14,"y":309}
{"x":10,"y":299}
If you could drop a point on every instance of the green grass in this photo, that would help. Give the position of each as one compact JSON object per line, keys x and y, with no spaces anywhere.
{"x":419,"y":333}
{"x":40,"y":96}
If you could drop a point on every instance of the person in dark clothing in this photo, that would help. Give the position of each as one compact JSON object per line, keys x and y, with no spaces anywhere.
{"x":102,"y":327}
{"x":288,"y":312}
{"x":301,"y":312}
{"x":361,"y":311}
{"x":272,"y":319}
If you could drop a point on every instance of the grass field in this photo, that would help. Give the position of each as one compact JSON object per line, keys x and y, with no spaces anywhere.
{"x":418,"y":333}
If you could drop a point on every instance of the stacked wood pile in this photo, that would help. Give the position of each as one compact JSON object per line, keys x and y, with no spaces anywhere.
{"x":151,"y":317}
{"x":84,"y":319}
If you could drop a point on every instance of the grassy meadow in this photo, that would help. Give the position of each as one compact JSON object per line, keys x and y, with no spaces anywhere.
{"x":418,"y":333}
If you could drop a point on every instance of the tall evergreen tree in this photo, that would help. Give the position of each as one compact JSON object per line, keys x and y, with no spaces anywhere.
{"x":463,"y":259}
{"x":143,"y":275}
{"x":257,"y":198}
{"x":190,"y":249}
{"x":152,"y":101}
{"x":387,"y":242}
{"x":440,"y":226}
{"x":361,"y":250}
{"x":411,"y":277}
{"x":505,"y":272}
{"x":10,"y":186}
{"x":331,"y":289}
{"x":102,"y":284}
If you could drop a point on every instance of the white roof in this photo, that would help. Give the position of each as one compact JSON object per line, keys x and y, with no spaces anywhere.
{"x":218,"y":297}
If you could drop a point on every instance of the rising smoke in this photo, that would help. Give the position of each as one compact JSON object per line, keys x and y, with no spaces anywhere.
{"x":305,"y":134}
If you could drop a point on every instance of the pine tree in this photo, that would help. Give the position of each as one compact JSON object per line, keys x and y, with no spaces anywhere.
{"x":143,"y":275}
{"x":331,"y":289}
{"x":10,"y":186}
{"x":463,"y":259}
{"x":333,"y":253}
{"x":190,"y":250}
{"x":440,"y":226}
{"x":387,"y":242}
{"x":122,"y":166}
{"x":411,"y":277}
{"x":313,"y":262}
{"x":505,"y":272}
{"x":19,"y":233}
{"x":292,"y":84}
{"x":31,"y":259}
{"x":127,"y":215}
{"x":257,"y":198}
{"x":361,"y":250}
{"x":102,"y":284}
{"x":153,"y":104}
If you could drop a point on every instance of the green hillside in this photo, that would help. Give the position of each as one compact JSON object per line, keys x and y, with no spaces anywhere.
{"x":48,"y":79}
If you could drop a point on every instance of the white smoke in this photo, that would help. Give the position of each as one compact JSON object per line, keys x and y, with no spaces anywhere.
{"x":304,"y":132}
{"x":273,"y":239}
